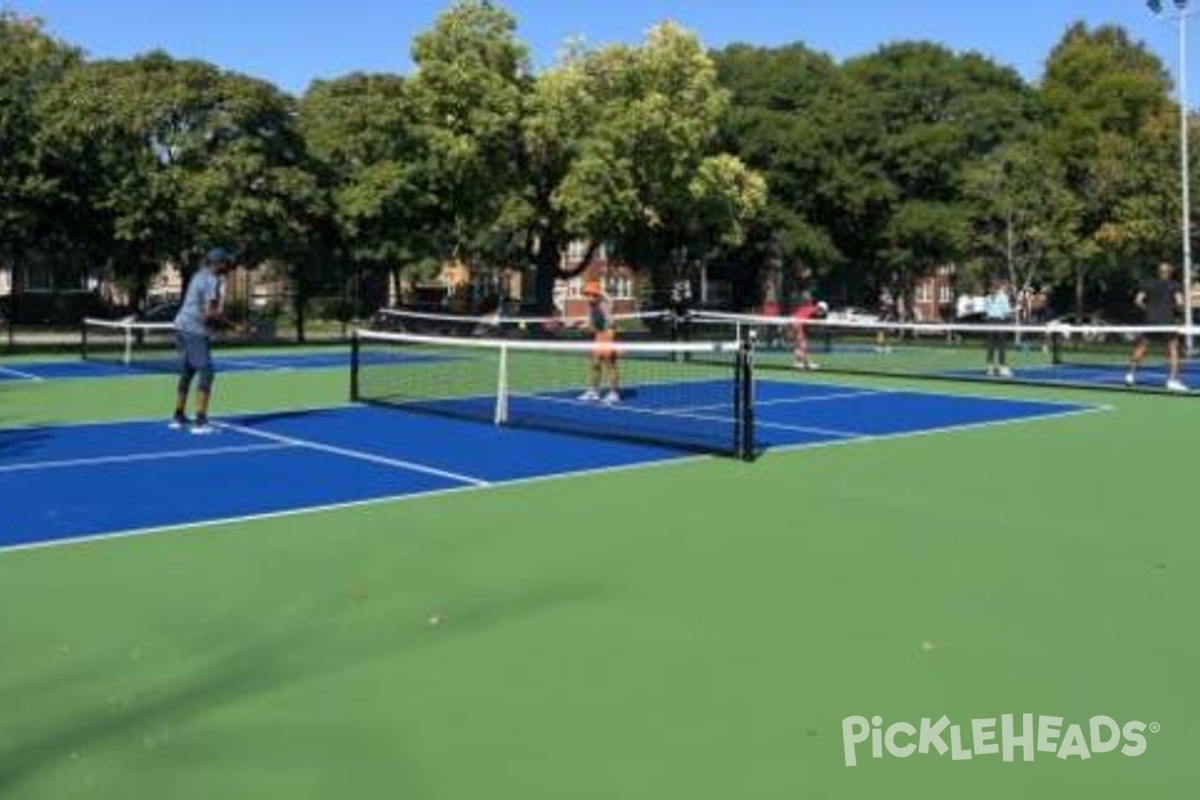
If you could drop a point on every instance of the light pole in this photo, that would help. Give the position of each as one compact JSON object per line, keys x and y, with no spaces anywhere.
{"x":1180,"y":16}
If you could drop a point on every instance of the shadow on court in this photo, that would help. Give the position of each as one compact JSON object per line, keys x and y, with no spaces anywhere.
{"x":235,"y":664}
{"x":20,"y":441}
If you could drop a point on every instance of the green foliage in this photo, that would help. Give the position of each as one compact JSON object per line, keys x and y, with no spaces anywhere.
{"x":164,"y":157}
{"x":31,"y":63}
{"x":1022,"y":216}
{"x":857,"y":176}
{"x":1108,"y":115}
{"x":467,"y":93}
{"x":782,"y":121}
{"x":360,"y":135}
{"x":641,"y":168}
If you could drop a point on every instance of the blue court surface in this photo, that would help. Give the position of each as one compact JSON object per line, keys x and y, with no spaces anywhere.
{"x":1100,"y":375}
{"x":226,"y":361}
{"x":81,"y":481}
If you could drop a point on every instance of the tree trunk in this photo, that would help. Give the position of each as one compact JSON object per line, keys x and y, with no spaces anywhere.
{"x":1079,"y":287}
{"x":141,"y":288}
{"x":546,"y":266}
{"x":299,"y":301}
{"x":395,"y":288}
{"x":17,"y":277}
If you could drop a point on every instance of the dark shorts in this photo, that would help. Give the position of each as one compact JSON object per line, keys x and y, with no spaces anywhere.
{"x":1160,"y":338}
{"x":193,"y":350}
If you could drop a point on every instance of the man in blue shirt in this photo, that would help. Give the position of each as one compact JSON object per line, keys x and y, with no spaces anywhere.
{"x":193,"y":326}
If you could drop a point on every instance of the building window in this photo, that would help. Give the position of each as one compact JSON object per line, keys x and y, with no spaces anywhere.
{"x":576,"y":251}
{"x":618,"y":288}
{"x":924,"y":292}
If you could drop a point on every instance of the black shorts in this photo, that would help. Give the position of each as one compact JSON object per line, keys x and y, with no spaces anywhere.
{"x":1165,"y":337}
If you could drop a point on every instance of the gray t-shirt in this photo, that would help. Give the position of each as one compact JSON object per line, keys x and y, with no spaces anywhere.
{"x":205,"y":287}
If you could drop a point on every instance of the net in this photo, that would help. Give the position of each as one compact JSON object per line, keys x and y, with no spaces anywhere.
{"x":638,"y":325}
{"x":143,"y":345}
{"x":1092,"y":356}
{"x":664,"y":395}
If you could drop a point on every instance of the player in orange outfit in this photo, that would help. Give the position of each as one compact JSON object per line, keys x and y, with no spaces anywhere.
{"x":604,"y":354}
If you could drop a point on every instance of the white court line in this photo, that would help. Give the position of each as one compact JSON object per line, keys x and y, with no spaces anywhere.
{"x":781,"y":426}
{"x":822,"y":398}
{"x":966,"y":426}
{"x":780,"y":401}
{"x":434,"y":493}
{"x":687,"y":413}
{"x":958,"y":387}
{"x":161,"y":455}
{"x":28,"y":376}
{"x":624,"y":407}
{"x":329,"y":507}
{"x":357,"y":455}
{"x":101,"y":423}
{"x":243,"y":362}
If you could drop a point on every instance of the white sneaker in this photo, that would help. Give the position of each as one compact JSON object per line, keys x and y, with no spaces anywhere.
{"x":813,"y":366}
{"x":201,"y":427}
{"x":1130,"y":379}
{"x":1005,"y":372}
{"x":612,"y":398}
{"x":1176,"y":385}
{"x":991,"y":371}
{"x":179,"y":423}
{"x":590,"y":396}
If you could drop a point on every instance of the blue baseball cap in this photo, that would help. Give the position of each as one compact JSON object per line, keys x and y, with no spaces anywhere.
{"x":219,"y":255}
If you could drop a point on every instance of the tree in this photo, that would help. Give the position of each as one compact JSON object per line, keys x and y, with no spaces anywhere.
{"x":1107,"y":107}
{"x":1022,"y":216}
{"x":162,"y":157}
{"x":466,"y":101}
{"x":628,"y":138}
{"x":30,"y":63}
{"x":616,"y":147}
{"x":783,"y":121}
{"x":920,"y":115}
{"x":360,"y":131}
{"x":662,"y":119}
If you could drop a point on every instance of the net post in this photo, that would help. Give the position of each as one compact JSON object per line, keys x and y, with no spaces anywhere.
{"x":127,"y":358}
{"x":502,"y":387}
{"x":744,"y":402}
{"x":83,"y":342}
{"x":355,"y":362}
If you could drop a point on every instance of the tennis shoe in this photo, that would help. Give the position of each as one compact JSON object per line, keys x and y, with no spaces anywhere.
{"x":1005,"y":372}
{"x":179,"y":422}
{"x":612,"y":398}
{"x":590,"y":396}
{"x":1176,"y":385}
{"x":201,"y":427}
{"x":1130,"y":380}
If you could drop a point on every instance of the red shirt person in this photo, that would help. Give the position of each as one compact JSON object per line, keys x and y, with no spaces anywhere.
{"x":804,"y":313}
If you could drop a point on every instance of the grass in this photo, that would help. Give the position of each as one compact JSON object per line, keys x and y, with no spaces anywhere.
{"x":692,"y":631}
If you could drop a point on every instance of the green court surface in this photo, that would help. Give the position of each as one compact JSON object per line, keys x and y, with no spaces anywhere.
{"x":697,"y":630}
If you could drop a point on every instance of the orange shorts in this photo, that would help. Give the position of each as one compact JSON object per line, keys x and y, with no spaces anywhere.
{"x":604,"y":349}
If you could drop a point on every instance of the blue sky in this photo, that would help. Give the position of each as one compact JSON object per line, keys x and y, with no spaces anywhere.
{"x":291,"y":43}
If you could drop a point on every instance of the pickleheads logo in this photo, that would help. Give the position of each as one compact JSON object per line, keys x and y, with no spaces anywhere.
{"x":1027,"y":734}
